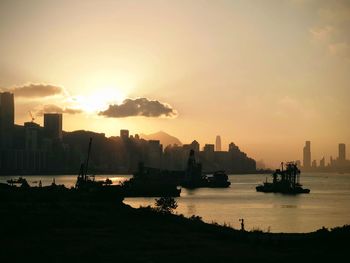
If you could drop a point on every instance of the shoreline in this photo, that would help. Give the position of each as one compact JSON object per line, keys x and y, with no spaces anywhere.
{"x":113,"y":231}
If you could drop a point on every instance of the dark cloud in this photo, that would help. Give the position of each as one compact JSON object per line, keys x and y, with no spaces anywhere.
{"x":51,"y":108}
{"x":139,"y":107}
{"x":36,"y":90}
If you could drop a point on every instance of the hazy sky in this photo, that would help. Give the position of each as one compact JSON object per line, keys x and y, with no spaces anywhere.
{"x":267,"y":75}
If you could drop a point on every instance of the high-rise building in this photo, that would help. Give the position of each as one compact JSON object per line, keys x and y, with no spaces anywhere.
{"x":322,"y":163}
{"x":31,"y":135}
{"x":53,"y":125}
{"x":342,"y":152}
{"x":233,"y":147}
{"x":124,"y":134}
{"x":195,"y":146}
{"x":218,"y":143}
{"x":155,"y":150}
{"x":7,"y":119}
{"x":208,"y":148}
{"x":307,"y":155}
{"x":314,"y":164}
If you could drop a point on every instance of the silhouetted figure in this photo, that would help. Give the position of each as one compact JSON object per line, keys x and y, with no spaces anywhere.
{"x":40,"y":184}
{"x":242,"y":224}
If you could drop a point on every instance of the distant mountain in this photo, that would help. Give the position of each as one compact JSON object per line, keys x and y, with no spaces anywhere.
{"x":163,"y":137}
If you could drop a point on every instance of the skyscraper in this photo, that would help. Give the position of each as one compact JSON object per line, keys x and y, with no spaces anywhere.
{"x":124,"y":134}
{"x":208,"y":148}
{"x":322,"y":163}
{"x":195,"y":146}
{"x":342,"y":152}
{"x":307,"y":155}
{"x":31,"y":135}
{"x":218,"y":143}
{"x":53,"y":125}
{"x":7,"y":119}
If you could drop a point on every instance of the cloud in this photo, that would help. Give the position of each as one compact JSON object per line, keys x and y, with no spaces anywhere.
{"x":332,"y":29}
{"x":51,"y":108}
{"x":36,"y":90}
{"x":340,"y":49}
{"x":139,"y":107}
{"x":323,"y":33}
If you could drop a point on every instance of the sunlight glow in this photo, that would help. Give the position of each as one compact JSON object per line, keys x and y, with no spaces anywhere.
{"x":99,"y":99}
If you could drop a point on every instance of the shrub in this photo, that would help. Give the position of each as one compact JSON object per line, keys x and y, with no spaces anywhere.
{"x":166,"y":204}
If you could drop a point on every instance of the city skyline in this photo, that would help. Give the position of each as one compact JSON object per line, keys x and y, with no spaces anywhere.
{"x":337,"y":162}
{"x":53,"y":130}
{"x":247,"y":71}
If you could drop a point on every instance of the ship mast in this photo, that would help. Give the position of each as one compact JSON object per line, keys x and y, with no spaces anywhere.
{"x":87,"y":159}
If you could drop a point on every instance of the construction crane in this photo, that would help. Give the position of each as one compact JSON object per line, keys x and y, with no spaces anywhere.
{"x":31,"y":116}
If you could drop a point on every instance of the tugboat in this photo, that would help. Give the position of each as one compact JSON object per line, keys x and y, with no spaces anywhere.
{"x":284,"y":181}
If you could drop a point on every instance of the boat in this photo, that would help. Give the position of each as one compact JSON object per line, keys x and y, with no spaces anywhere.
{"x":151,"y":182}
{"x":20,"y":181}
{"x":168,"y":181}
{"x":195,"y":179}
{"x":219,"y":179}
{"x":285,"y":181}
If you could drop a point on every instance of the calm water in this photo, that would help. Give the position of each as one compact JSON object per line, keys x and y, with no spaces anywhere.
{"x":327,"y":205}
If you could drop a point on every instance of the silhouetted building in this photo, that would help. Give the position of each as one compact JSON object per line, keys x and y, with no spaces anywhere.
{"x":322,"y":163}
{"x":155,"y":152}
{"x":124,"y":134}
{"x":31,"y":135}
{"x":208,"y":148}
{"x":342,"y":152}
{"x":307,"y":155}
{"x":195,"y":146}
{"x":218,"y":143}
{"x":232,"y":147}
{"x":7,"y":119}
{"x":53,"y":125}
{"x":314,"y":164}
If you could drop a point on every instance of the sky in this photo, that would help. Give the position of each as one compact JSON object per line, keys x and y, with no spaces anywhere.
{"x":266,"y":75}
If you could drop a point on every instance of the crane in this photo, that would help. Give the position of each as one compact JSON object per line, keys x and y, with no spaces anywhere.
{"x":31,"y":116}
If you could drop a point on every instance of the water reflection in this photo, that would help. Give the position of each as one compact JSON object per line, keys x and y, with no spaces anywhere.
{"x":327,"y":204}
{"x":191,"y":209}
{"x":67,"y":180}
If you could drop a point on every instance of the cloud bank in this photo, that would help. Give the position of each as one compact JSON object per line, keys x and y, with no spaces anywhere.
{"x":36,"y":90}
{"x":139,"y":107}
{"x":51,"y":108}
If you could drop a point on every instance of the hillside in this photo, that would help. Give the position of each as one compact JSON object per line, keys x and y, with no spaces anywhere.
{"x":164,"y":138}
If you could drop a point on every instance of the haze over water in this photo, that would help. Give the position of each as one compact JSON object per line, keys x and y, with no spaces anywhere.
{"x":327,"y":205}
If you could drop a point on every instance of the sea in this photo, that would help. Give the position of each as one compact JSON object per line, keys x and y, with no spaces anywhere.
{"x":327,"y":205}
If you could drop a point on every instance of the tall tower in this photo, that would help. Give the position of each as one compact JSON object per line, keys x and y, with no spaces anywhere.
{"x":124,"y":134}
{"x":218,"y":143}
{"x":53,"y":125}
{"x":7,"y":119}
{"x":342,"y":152}
{"x":307,"y":155}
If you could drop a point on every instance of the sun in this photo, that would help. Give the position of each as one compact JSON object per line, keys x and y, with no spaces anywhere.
{"x":99,"y":99}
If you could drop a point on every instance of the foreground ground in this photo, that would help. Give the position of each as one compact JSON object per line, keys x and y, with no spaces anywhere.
{"x":95,"y":232}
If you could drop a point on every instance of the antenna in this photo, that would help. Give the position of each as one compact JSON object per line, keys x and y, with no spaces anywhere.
{"x":31,"y":116}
